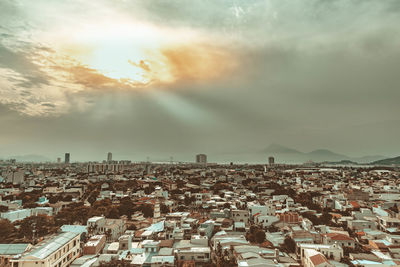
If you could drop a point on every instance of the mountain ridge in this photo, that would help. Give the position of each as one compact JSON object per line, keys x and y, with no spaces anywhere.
{"x":289,"y":155}
{"x":387,"y":161}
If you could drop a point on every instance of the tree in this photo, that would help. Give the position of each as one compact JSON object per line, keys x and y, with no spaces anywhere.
{"x":7,"y":231}
{"x":93,"y":196}
{"x":30,"y":205}
{"x":164,"y":209}
{"x":325,"y":218}
{"x":290,"y":244}
{"x":3,"y":208}
{"x":113,"y":213}
{"x":259,"y":236}
{"x":272,"y":228}
{"x":147,"y":211}
{"x":126,"y":207}
{"x":189,"y":200}
{"x":36,"y":226}
{"x":67,"y":198}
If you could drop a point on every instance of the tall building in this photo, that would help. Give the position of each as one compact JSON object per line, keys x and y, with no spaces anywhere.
{"x":67,"y":158}
{"x":157,"y":213}
{"x":109,"y":157}
{"x":201,"y":158}
{"x":58,"y":160}
{"x":271,"y":160}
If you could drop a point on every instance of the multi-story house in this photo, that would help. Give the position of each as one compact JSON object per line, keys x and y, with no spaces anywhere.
{"x":58,"y":251}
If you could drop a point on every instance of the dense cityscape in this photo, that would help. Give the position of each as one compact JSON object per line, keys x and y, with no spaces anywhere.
{"x":121,"y":213}
{"x":199,"y":133}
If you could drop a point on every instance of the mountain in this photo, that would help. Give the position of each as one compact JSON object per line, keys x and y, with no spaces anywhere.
{"x":368,"y":159}
{"x":342,"y":162}
{"x":325,"y":155}
{"x":285,"y":154}
{"x":388,"y":161}
{"x":275,"y":148}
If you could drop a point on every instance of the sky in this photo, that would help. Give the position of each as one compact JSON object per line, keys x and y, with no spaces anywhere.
{"x":179,"y":77}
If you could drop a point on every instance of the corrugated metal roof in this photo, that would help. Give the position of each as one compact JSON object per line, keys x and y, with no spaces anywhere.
{"x":48,"y":247}
{"x":12,"y":249}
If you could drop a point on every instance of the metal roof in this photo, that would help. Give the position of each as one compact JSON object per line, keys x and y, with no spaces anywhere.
{"x":48,"y":247}
{"x":13,"y":249}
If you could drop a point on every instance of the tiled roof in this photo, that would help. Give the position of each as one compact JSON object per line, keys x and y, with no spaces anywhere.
{"x":318,"y":259}
{"x":335,"y":236}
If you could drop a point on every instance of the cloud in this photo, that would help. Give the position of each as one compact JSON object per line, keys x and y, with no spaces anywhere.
{"x":203,"y":63}
{"x":182,"y":75}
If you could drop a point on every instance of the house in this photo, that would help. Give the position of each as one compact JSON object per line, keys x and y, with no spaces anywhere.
{"x":95,"y":245}
{"x":60,"y":250}
{"x":389,"y":224}
{"x":112,"y":228}
{"x":240,"y":216}
{"x":334,"y":251}
{"x":313,"y":258}
{"x":265,"y":220}
{"x":341,"y":239}
{"x":361,"y":224}
{"x":197,"y":254}
{"x":9,"y":251}
{"x":262,"y":210}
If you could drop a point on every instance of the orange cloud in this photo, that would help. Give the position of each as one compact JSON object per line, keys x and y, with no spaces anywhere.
{"x":198,"y":63}
{"x":172,"y":65}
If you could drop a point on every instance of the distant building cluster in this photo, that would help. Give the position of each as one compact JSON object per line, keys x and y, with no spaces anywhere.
{"x":121,"y":213}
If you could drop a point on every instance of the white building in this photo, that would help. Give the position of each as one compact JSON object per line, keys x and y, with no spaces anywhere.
{"x":268,"y":209}
{"x":265,"y":220}
{"x":334,"y":252}
{"x":240,"y":216}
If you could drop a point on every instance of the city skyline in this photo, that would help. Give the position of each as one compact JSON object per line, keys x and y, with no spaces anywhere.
{"x":179,"y":78}
{"x":199,"y":133}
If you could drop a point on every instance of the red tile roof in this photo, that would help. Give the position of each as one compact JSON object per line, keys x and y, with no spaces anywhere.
{"x":318,"y":259}
{"x":354,"y":204}
{"x":339,"y":237}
